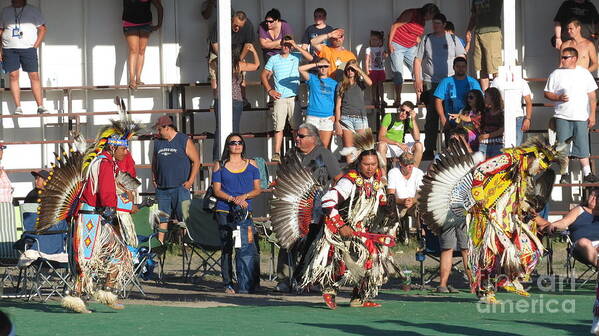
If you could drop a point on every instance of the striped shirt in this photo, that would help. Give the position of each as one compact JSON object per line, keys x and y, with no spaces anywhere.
{"x":5,"y":187}
{"x":285,"y":72}
{"x":407,"y":34}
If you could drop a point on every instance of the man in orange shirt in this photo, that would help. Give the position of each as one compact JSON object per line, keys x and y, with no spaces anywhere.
{"x":333,"y":51}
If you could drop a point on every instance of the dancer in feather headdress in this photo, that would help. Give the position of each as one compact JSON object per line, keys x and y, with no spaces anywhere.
{"x":502,"y":196}
{"x":88,"y":189}
{"x":353,"y":246}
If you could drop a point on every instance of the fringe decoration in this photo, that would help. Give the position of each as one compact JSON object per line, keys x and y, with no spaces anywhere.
{"x":74,"y":304}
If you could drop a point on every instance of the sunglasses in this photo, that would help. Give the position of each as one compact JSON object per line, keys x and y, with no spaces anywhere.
{"x":235,"y":143}
{"x":269,"y":21}
{"x":406,"y":111}
{"x":301,"y":136}
{"x":323,"y":66}
{"x":567,"y":56}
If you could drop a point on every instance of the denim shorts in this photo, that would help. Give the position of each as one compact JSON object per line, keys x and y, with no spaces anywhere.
{"x":578,"y":131}
{"x":175,"y":202}
{"x":144,"y":28}
{"x":354,"y":123}
{"x":17,"y":58}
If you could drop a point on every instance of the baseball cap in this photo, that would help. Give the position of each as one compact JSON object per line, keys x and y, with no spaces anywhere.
{"x":163,"y":121}
{"x":42,"y":173}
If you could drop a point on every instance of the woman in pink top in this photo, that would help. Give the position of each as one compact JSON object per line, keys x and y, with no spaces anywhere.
{"x":5,"y":185}
{"x":137,"y":26}
{"x":404,"y":36}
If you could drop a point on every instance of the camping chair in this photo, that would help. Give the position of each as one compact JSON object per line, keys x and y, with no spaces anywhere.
{"x":9,"y":256}
{"x":203,"y":238}
{"x":590,"y":271}
{"x":45,"y":255}
{"x":431,"y":247}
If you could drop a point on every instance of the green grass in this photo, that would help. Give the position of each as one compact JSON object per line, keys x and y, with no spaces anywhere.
{"x":416,"y":314}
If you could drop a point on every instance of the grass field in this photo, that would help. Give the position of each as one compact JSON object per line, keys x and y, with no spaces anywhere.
{"x":412,"y":313}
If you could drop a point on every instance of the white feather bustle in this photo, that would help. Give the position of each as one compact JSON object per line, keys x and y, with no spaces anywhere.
{"x":74,"y":304}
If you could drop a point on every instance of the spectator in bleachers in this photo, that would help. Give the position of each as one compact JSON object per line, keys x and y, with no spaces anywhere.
{"x":271,"y":31}
{"x":581,"y":10}
{"x":319,"y":27}
{"x":240,"y":67}
{"x":137,"y":26}
{"x":587,"y":53}
{"x":40,"y":181}
{"x":470,"y":117}
{"x":375,"y":67}
{"x":523,"y":116}
{"x":404,"y":36}
{"x":6,"y":188}
{"x":393,"y":130}
{"x":283,"y":69}
{"x":350,"y":115}
{"x":242,"y":34}
{"x":491,"y":124}
{"x":321,"y":98}
{"x":451,"y":93}
{"x":209,"y":11}
{"x":404,"y":183}
{"x":23,"y":29}
{"x":572,"y":88}
{"x":484,"y":28}
{"x":333,"y":51}
{"x":175,"y":165}
{"x":236,"y":181}
{"x":450,"y":28}
{"x":433,"y":62}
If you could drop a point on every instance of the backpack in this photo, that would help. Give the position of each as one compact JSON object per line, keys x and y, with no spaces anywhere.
{"x":264,"y":174}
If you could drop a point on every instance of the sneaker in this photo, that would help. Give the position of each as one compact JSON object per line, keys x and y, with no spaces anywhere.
{"x":18,"y":110}
{"x":42,"y":110}
{"x":591,"y":178}
{"x":276,"y":157}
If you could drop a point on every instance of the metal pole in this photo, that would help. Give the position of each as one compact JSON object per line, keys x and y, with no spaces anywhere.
{"x":225,"y":72}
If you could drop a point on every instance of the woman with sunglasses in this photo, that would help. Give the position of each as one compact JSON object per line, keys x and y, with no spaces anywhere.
{"x":271,"y":31}
{"x":236,"y":181}
{"x":470,"y":117}
{"x":349,"y":104}
{"x":393,"y":130}
{"x":321,"y":98}
{"x":491,"y":137}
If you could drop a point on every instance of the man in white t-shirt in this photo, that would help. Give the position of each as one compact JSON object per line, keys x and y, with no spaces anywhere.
{"x":23,"y":28}
{"x":572,"y":88}
{"x":523,"y":116}
{"x":404,"y":182}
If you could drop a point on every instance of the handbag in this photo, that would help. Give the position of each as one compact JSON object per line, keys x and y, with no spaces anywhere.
{"x":209,"y":201}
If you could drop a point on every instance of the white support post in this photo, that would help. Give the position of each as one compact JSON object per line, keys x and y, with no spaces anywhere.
{"x":510,"y":71}
{"x":225,"y":72}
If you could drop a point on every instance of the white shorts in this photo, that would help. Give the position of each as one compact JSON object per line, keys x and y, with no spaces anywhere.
{"x":396,"y":151}
{"x":323,"y":124}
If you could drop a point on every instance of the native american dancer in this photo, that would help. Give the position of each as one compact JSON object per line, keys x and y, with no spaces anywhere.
{"x":502,"y":195}
{"x":90,"y":190}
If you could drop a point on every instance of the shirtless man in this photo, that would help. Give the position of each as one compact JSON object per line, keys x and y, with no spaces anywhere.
{"x":587,"y":54}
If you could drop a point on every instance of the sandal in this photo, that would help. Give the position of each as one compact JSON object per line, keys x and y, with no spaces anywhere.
{"x":443,"y":290}
{"x":132,"y":85}
{"x":329,"y":300}
{"x":139,"y":83}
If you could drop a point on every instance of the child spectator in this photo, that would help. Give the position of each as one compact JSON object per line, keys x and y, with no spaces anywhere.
{"x":349,"y":105}
{"x":470,"y":117}
{"x":319,"y":27}
{"x":491,"y":138}
{"x":375,"y":67}
{"x":321,"y":98}
{"x":393,"y":130}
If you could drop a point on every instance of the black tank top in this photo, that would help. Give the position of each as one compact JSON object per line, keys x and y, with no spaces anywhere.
{"x":137,"y":11}
{"x":585,"y":226}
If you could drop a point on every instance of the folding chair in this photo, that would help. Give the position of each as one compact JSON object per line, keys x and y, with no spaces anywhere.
{"x":431,"y":247}
{"x":203,"y":238}
{"x":590,"y":271}
{"x":46,"y":255}
{"x":9,"y":256}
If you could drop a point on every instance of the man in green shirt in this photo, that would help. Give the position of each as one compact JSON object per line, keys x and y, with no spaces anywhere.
{"x":393,"y":131}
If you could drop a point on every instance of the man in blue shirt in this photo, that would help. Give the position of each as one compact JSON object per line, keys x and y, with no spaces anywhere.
{"x":283,"y":69}
{"x":450,"y":95}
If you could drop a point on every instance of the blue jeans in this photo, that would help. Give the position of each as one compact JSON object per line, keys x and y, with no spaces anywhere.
{"x":519,"y":133}
{"x":399,"y":57}
{"x":237,"y":109}
{"x":174,"y":202}
{"x":226,"y":229}
{"x":354,"y":123}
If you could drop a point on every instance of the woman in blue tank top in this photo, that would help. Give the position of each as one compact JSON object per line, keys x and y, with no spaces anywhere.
{"x":235,"y":184}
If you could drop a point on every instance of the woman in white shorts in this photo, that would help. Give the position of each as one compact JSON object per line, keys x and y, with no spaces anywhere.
{"x":349,"y":104}
{"x":321,"y":98}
